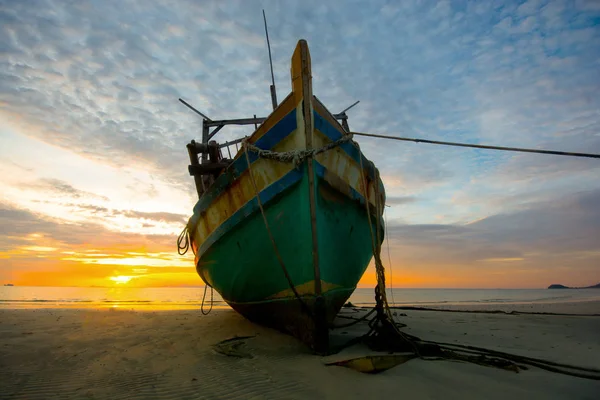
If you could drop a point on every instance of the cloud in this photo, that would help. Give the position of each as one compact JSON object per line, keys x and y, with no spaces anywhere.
{"x":399,"y":200}
{"x":113,"y":93}
{"x":16,"y":225}
{"x":93,"y":81}
{"x":104,"y":212}
{"x":545,"y":236}
{"x":19,"y":223}
{"x":107,"y":86}
{"x":61,"y":188}
{"x":157,"y":216}
{"x":566,"y":226}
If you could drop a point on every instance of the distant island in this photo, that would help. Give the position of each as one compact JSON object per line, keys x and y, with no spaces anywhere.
{"x":8,"y":284}
{"x":558,"y":286}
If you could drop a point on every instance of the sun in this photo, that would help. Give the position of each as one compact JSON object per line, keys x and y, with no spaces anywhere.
{"x":121,"y":279}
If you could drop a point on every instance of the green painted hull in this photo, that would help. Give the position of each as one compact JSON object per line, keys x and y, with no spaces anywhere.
{"x":316,"y":212}
{"x":243,"y":268}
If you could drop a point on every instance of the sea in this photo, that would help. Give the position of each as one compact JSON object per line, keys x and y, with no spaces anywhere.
{"x":194,"y":297}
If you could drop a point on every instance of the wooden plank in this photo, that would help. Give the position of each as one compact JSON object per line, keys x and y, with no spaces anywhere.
{"x":241,"y":121}
{"x":207,"y":180}
{"x":201,"y":148}
{"x":209,"y":168}
{"x":215,"y":131}
{"x":191,"y":147}
{"x":213,"y":151}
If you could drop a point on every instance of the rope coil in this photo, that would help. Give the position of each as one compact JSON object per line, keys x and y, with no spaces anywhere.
{"x":184,"y":241}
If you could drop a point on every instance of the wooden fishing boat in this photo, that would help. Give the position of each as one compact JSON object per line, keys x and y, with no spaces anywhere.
{"x":290,"y":257}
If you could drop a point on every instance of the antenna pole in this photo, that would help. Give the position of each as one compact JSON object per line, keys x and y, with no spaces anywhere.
{"x":273,"y":92}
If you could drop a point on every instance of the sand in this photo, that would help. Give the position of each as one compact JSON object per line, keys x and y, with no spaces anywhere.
{"x":121,"y":354}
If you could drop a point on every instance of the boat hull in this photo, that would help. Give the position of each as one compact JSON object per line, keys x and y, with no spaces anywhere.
{"x":292,"y":264}
{"x":244,"y":269}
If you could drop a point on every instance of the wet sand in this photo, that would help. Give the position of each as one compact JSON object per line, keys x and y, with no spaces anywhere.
{"x":121,"y":354}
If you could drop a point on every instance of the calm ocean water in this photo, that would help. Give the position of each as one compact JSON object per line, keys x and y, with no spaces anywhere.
{"x":175,"y":298}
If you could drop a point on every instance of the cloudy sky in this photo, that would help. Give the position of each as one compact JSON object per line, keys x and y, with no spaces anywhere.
{"x":93,"y":165}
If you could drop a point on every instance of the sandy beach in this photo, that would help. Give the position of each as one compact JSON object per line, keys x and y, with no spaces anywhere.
{"x":119,"y":354}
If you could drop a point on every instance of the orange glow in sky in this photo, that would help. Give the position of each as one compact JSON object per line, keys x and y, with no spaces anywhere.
{"x":54,"y":264}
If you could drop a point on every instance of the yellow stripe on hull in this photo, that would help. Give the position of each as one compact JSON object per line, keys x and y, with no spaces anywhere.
{"x":305,"y":289}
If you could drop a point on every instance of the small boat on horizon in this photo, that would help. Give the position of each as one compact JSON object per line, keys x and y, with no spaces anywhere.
{"x":8,"y":284}
{"x":285,"y":229}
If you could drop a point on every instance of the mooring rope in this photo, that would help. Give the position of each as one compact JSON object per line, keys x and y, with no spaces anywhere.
{"x":486,"y":357}
{"x":593,"y":373}
{"x":480,"y":146}
{"x":183,"y":245}
{"x":206,"y":285}
{"x":384,"y":314}
{"x":387,"y":240}
{"x":355,"y":320}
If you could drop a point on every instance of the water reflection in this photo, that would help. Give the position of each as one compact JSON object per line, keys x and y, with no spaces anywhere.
{"x":117,"y":298}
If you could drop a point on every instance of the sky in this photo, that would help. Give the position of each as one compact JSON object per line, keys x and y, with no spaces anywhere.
{"x":94,"y":186}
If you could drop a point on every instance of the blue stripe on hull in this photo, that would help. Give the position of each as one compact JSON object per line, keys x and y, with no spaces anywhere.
{"x":325,"y":127}
{"x":280,"y":131}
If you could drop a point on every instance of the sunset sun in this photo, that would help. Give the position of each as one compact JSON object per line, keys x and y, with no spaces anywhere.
{"x":121,"y":279}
